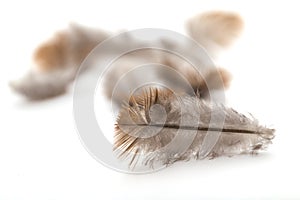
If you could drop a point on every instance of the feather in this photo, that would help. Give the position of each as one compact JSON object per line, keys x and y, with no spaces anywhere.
{"x":161,"y":127}
{"x":57,"y":61}
{"x":126,"y":74}
{"x":215,"y":29}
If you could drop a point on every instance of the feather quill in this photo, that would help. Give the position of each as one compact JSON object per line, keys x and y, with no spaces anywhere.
{"x":159,"y":128}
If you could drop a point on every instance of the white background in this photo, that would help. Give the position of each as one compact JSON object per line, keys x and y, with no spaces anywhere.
{"x":41,"y":156}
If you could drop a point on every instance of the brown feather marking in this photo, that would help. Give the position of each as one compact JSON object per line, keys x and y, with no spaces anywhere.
{"x":218,"y":26}
{"x":53,"y":53}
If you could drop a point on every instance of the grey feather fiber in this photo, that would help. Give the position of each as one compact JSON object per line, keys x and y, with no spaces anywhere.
{"x":168,"y":133}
